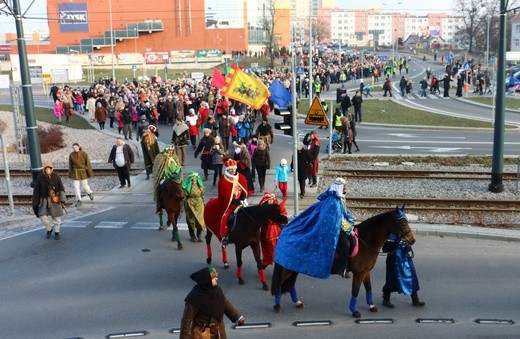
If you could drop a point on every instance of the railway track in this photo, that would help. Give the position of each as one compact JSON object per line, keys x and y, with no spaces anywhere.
{"x":364,"y":203}
{"x":415,"y":174}
{"x":102,"y":172}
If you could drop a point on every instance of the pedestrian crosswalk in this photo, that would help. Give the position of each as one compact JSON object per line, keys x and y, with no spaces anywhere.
{"x":117,"y":225}
{"x":417,"y":96}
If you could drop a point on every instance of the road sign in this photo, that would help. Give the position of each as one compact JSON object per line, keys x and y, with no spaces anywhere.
{"x":316,"y":114}
{"x":134,"y":68}
{"x":299,"y":70}
{"x":383,"y":58}
{"x":448,"y":57}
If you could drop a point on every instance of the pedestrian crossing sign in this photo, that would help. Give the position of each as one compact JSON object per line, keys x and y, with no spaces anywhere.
{"x":316,"y":114}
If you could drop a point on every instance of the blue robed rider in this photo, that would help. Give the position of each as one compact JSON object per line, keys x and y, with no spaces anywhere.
{"x":308,"y":243}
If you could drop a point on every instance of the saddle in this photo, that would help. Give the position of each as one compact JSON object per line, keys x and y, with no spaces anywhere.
{"x":232,"y":220}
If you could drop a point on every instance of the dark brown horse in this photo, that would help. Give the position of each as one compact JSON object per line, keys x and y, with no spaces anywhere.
{"x":244,"y":231}
{"x":171,"y":195}
{"x":372,"y":234}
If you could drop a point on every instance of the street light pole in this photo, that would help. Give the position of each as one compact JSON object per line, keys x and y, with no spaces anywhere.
{"x":112,"y":41}
{"x":28,"y":100}
{"x":135,"y":40}
{"x":496,"y":185}
{"x":487,"y":45}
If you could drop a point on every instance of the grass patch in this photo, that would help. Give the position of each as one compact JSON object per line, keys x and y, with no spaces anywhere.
{"x":392,"y":113}
{"x":47,"y":115}
{"x":439,"y":160}
{"x":509,"y":103}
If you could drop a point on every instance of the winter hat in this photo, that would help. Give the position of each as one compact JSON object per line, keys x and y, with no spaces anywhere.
{"x":230,"y":163}
{"x":217,"y":140}
{"x":283,"y":162}
{"x":152,"y":128}
{"x":191,"y":111}
{"x":206,"y":130}
{"x":143,"y":117}
{"x":47,"y":163}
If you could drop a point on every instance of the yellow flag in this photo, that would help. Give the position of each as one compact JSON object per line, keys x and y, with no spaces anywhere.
{"x":244,"y":88}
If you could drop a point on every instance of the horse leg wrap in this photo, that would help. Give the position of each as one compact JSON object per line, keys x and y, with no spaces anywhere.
{"x":239,"y":272}
{"x":294,"y":294}
{"x":370,"y":301}
{"x":261,"y":273}
{"x":224,"y":254}
{"x":277,"y":299}
{"x":208,"y":251}
{"x":353,"y":303}
{"x":175,"y":234}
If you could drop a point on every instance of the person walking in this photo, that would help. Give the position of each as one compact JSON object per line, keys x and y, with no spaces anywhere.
{"x":424,"y":87}
{"x":192,"y":121}
{"x":217,"y":159}
{"x":48,"y":199}
{"x":205,"y":144}
{"x":122,"y":157}
{"x":313,"y":150}
{"x":111,"y":112}
{"x":58,"y":111}
{"x":80,"y":170}
{"x":387,"y":87}
{"x":353,"y":129}
{"x":91,"y":108}
{"x":205,"y":306}
{"x":401,"y":276}
{"x":126,"y":119}
{"x":180,"y":139}
{"x":303,"y":162}
{"x":261,"y":161}
{"x":150,"y":146}
{"x":101,"y":115}
{"x":281,"y":176}
{"x":357,"y":100}
{"x":194,"y":205}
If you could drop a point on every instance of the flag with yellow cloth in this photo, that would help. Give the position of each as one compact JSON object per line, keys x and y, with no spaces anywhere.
{"x":245,"y":88}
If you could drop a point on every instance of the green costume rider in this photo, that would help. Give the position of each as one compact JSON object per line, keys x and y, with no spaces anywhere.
{"x":166,"y":166}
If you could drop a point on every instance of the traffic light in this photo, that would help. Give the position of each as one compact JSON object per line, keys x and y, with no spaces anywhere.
{"x":286,"y":125}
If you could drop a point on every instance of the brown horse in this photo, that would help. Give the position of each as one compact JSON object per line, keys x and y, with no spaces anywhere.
{"x":372,"y":234}
{"x":171,"y":195}
{"x":244,"y":231}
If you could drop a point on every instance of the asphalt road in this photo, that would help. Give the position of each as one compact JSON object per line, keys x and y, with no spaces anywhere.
{"x":104,"y":278}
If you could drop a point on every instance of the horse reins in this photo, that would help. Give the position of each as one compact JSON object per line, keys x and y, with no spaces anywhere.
{"x":401,"y":237}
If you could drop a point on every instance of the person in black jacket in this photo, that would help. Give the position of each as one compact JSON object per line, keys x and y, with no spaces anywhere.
{"x":345,"y":103}
{"x":357,"y":100}
{"x":48,"y":198}
{"x":303,"y":162}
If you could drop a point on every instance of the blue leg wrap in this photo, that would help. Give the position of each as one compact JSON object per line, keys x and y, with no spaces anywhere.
{"x":277,"y":299}
{"x":370,"y":301}
{"x":353,"y":304}
{"x":294,"y":295}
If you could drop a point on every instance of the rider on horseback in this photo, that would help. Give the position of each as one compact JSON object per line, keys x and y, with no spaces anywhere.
{"x":166,"y":166}
{"x":232,"y":192}
{"x":345,"y":241}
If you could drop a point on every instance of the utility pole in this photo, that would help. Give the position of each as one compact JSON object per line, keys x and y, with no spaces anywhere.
{"x":28,"y":100}
{"x":496,"y":185}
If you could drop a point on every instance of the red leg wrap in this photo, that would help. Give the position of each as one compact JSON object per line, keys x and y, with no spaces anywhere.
{"x":239,"y":272}
{"x":261,"y":273}
{"x":224,"y":254}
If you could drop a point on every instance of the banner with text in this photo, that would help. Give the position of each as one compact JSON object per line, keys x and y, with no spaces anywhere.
{"x":214,"y":55}
{"x":73,"y":17}
{"x":182,"y":57}
{"x":130,"y":59}
{"x":155,"y":57}
{"x":101,"y":59}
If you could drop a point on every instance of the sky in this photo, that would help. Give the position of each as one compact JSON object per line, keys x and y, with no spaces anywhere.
{"x":38,"y":10}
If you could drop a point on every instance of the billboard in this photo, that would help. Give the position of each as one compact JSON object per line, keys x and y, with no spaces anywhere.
{"x":101,"y":59}
{"x":220,"y":14}
{"x":209,"y":56}
{"x":130,"y":59}
{"x":73,"y":17}
{"x":155,"y":57}
{"x":182,"y":57}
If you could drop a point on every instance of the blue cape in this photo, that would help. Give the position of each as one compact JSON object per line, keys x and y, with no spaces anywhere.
{"x":307,"y":244}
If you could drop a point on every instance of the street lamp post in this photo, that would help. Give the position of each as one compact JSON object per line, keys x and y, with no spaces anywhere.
{"x":135,"y":40}
{"x":487,"y":45}
{"x":112,"y":41}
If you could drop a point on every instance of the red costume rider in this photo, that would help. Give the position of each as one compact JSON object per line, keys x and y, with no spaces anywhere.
{"x":232,"y":192}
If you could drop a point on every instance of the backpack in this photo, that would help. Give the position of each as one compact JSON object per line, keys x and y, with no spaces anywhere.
{"x":126,"y":117}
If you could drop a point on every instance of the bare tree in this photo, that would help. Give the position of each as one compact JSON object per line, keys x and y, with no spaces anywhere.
{"x":268,"y":24}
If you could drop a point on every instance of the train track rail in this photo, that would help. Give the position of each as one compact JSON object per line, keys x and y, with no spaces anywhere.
{"x":415,"y":174}
{"x":102,"y":172}
{"x":364,"y":203}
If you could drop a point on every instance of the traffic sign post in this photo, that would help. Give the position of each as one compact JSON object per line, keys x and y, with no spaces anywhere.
{"x":316,"y":114}
{"x":134,"y":68}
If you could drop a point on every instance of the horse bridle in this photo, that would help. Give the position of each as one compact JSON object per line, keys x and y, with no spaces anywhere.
{"x":400,"y":236}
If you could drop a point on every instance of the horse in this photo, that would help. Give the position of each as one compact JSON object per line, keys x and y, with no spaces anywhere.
{"x":372,"y":234}
{"x":171,"y":195}
{"x":244,"y":231}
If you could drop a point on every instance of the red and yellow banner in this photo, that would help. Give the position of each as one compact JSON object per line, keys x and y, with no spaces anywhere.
{"x":245,"y":88}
